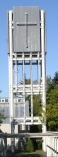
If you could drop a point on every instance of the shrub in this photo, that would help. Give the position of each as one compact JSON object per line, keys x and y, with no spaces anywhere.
{"x":29,"y":146}
{"x":39,"y":143}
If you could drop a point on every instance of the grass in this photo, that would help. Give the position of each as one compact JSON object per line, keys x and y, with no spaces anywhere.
{"x":35,"y":152}
{"x":22,"y":152}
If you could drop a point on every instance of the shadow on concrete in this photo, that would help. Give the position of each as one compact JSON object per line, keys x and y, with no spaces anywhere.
{"x":26,"y":155}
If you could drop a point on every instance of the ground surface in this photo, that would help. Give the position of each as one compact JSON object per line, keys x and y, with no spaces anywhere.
{"x":26,"y":155}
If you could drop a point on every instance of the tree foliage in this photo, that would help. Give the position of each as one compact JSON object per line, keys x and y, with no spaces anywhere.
{"x":51,"y":113}
{"x":52,"y":96}
{"x":55,"y":79}
{"x":37,"y":106}
{"x":48,"y":83}
{"x":52,"y":104}
{"x":29,"y":146}
{"x":52,"y":117}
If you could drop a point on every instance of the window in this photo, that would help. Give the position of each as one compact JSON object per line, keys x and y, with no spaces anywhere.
{"x":6,"y":100}
{"x":2,"y":100}
{"x":18,"y":100}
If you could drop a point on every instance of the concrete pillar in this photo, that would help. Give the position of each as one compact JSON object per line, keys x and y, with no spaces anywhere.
{"x":51,"y":145}
{"x":31,"y":88}
{"x":11,"y":82}
{"x":43,"y":73}
{"x":48,"y":149}
{"x":54,"y":146}
{"x":24,"y":86}
{"x":57,"y":146}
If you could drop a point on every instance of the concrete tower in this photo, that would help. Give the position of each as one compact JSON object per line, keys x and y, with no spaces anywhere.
{"x":27,"y":46}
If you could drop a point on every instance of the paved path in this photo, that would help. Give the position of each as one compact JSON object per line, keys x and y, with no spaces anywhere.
{"x":26,"y":155}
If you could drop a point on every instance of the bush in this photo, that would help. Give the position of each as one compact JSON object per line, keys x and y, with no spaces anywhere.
{"x":39,"y":143}
{"x":29,"y":146}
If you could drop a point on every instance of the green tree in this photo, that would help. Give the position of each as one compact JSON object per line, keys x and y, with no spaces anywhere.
{"x":55,"y":79}
{"x":48,"y":83}
{"x":52,"y":96}
{"x":27,"y":81}
{"x":37,"y":105}
{"x":52,"y":117}
{"x":29,"y":146}
{"x":52,"y":104}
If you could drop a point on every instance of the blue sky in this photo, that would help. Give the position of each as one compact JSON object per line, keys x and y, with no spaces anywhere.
{"x":51,"y":7}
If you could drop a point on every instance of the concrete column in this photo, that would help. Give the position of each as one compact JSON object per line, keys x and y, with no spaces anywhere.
{"x":57,"y":146}
{"x":16,"y":72}
{"x":43,"y":73}
{"x":31,"y":88}
{"x":53,"y":146}
{"x":11,"y":82}
{"x":11,"y":67}
{"x":9,"y":76}
{"x":38,"y":71}
{"x":48,"y":149}
{"x":24,"y":86}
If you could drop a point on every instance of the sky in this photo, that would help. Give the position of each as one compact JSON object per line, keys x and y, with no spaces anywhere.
{"x":51,"y":8}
